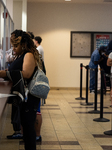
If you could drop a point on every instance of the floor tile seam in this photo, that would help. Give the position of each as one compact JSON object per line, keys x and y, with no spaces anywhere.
{"x":104,"y":122}
{"x":102,"y":137}
{"x":88,"y":130}
{"x":4,"y":123}
{"x":53,"y":125}
{"x":81,"y":120}
{"x":66,"y":101}
{"x":57,"y":143}
{"x":95,"y":138}
{"x":53,"y":149}
{"x":70,"y":95}
{"x":67,"y":121}
{"x":106,"y":146}
{"x":98,"y":124}
{"x":94,"y":118}
{"x":5,"y":126}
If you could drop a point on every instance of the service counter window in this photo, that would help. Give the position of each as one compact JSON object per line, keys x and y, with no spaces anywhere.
{"x":6,"y":27}
{"x":1,"y":35}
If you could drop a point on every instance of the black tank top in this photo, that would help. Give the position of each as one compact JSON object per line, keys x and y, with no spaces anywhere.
{"x":17,"y":64}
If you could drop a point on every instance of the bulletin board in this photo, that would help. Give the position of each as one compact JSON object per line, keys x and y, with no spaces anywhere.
{"x":84,"y":43}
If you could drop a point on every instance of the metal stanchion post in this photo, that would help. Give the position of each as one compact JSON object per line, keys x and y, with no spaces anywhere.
{"x":110,"y":131}
{"x":101,"y":119}
{"x":87,"y":68}
{"x":80,"y":98}
{"x":95,"y":111}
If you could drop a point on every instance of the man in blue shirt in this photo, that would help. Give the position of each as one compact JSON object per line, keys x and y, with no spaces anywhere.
{"x":95,"y":59}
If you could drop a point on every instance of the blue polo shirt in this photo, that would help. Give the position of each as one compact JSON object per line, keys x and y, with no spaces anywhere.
{"x":94,"y":57}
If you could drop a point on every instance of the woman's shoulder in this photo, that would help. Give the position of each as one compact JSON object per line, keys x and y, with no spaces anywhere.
{"x":29,"y":57}
{"x":28,"y":54}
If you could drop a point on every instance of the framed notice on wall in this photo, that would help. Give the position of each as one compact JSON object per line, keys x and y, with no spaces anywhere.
{"x":101,"y":39}
{"x":84,"y":43}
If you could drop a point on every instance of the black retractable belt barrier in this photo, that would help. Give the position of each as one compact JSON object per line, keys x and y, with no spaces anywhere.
{"x":110,"y":131}
{"x":95,"y":111}
{"x":80,"y":98}
{"x":86,"y":103}
{"x":101,"y":119}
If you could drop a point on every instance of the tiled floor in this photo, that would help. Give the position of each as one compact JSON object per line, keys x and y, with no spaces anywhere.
{"x":67,"y":125}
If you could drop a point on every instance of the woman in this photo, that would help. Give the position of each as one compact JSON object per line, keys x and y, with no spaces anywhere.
{"x":26,"y":61}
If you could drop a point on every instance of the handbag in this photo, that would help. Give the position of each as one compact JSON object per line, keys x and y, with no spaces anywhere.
{"x":39,"y":85}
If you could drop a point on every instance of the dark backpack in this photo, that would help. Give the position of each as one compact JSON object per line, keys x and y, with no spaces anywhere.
{"x":43,"y":66}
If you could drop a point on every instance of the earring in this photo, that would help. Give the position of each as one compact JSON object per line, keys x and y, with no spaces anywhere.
{"x":22,"y":48}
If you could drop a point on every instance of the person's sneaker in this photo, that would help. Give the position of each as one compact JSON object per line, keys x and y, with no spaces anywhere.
{"x":15,"y":136}
{"x":39,"y":139}
{"x":92,"y":91}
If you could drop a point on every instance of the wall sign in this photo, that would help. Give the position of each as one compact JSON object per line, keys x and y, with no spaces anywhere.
{"x":84,"y":43}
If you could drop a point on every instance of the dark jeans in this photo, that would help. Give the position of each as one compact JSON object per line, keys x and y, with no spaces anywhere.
{"x":92,"y":79}
{"x":15,"y":118}
{"x":28,"y":117}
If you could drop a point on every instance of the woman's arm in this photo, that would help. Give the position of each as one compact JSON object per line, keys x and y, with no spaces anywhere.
{"x":3,"y":74}
{"x":109,"y":62}
{"x":28,"y":65}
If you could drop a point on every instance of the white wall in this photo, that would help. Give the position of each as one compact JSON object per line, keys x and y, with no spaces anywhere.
{"x":24,"y":15}
{"x":9,"y":5}
{"x":53,"y":22}
{"x":17,"y":14}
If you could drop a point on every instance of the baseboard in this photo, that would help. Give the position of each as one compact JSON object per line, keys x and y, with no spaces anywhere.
{"x":66,"y":88}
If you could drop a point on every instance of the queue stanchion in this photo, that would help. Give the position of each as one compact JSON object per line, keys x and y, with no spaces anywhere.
{"x":86,"y":103}
{"x":95,"y":111}
{"x":81,"y":70}
{"x":101,"y":119}
{"x":110,"y":131}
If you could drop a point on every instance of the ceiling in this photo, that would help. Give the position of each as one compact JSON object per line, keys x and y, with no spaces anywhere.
{"x":72,"y":1}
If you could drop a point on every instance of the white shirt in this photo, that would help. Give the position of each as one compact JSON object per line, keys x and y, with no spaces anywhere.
{"x":110,"y":56}
{"x":41,"y":51}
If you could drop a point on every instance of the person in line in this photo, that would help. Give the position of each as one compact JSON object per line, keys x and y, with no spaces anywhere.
{"x":109,"y":63}
{"x":18,"y":131}
{"x":26,"y":62}
{"x":93,"y":64}
{"x":38,"y":122}
{"x":37,"y":42}
{"x":103,"y":66}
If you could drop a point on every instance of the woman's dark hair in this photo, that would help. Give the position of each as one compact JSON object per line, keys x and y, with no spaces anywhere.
{"x":31,"y":34}
{"x":22,"y":37}
{"x":38,"y":39}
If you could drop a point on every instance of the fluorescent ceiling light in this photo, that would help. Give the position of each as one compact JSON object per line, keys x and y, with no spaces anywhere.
{"x":67,"y":0}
